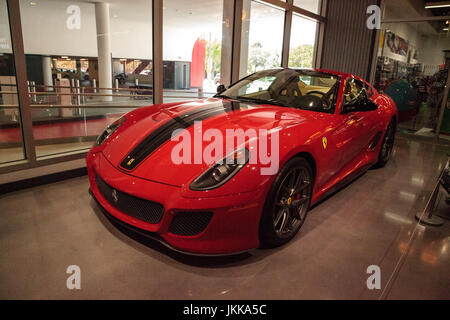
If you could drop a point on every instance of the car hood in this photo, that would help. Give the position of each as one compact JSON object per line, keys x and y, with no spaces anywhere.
{"x":149,"y":130}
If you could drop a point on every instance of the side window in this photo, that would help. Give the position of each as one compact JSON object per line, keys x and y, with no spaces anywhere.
{"x":353,"y":88}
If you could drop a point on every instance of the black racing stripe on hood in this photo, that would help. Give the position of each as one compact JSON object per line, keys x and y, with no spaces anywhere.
{"x":164,"y":133}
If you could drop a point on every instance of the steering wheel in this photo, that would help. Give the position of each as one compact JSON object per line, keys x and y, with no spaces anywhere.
{"x":324,"y":97}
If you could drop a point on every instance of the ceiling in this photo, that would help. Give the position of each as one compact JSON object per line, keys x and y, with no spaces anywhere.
{"x":403,"y":9}
{"x":438,"y":11}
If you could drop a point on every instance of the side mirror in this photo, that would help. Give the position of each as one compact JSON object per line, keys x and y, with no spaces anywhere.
{"x":221,"y":88}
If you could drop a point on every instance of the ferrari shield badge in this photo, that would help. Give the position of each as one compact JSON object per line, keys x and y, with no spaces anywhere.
{"x":324,"y":142}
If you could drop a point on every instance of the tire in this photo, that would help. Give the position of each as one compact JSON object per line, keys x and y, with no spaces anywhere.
{"x":387,"y":145}
{"x":285,"y":206}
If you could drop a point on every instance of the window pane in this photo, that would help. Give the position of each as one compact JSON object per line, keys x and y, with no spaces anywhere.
{"x":11,"y":144}
{"x":310,"y":5}
{"x":302,"y":44}
{"x":87,"y":64}
{"x":262,"y":37}
{"x":304,"y":89}
{"x":192,"y":44}
{"x":412,"y":69}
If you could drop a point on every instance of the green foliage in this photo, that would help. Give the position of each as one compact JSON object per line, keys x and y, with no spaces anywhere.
{"x":215,"y":54}
{"x":301,"y":56}
{"x":260,"y":59}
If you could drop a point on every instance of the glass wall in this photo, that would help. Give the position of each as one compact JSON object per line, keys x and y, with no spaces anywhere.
{"x":310,"y":5}
{"x":302,"y":44}
{"x":87,"y":64}
{"x":412,"y":68}
{"x":262,"y":37}
{"x":192,"y":43}
{"x":11,"y":143}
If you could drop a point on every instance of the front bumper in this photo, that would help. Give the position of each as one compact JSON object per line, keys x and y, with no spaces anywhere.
{"x":233,"y":226}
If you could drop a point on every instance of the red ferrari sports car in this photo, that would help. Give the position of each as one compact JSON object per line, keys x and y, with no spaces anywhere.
{"x":240,"y":170}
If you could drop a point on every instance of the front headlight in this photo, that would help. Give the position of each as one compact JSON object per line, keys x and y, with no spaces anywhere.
{"x":222,"y":171}
{"x":109,"y":130}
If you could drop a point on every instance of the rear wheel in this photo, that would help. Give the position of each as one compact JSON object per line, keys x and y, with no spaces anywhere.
{"x":287,"y":203}
{"x":387,"y":145}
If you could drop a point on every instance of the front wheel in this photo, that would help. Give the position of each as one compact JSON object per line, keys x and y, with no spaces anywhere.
{"x":387,"y":145}
{"x":287,"y":203}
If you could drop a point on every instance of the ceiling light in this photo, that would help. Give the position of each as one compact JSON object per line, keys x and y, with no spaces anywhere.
{"x":33,"y":3}
{"x":445,"y":29}
{"x":432,"y":5}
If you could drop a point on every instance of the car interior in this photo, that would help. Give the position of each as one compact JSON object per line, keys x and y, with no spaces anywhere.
{"x":310,"y":92}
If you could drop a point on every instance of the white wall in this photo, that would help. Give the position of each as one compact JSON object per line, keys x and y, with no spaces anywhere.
{"x":185,"y":22}
{"x":131,"y":28}
{"x":5,"y":37}
{"x":45,"y":31}
{"x":430,"y":46}
{"x":131,"y":33}
{"x":422,"y":35}
{"x":432,"y":49}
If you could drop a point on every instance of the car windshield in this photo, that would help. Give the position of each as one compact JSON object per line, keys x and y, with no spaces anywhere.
{"x":303,"y":89}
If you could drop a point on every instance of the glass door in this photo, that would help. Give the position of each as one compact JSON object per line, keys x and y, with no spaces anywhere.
{"x":11,"y":142}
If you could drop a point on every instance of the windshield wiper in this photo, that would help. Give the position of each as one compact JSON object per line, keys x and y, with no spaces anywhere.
{"x":260,"y":101}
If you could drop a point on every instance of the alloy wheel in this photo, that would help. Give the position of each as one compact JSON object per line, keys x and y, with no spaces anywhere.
{"x":291,"y":202}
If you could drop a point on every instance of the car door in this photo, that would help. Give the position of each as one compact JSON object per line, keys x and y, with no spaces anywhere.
{"x":356,"y":129}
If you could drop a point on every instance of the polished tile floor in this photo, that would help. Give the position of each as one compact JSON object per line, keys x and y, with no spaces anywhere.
{"x":45,"y":229}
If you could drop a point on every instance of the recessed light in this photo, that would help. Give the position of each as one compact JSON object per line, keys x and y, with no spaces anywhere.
{"x":33,"y":3}
{"x":432,"y":5}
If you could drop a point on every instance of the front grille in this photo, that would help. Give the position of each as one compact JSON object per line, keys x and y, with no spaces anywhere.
{"x":189,"y":223}
{"x":138,"y":208}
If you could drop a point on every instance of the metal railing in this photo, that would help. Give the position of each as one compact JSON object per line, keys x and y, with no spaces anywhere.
{"x":44,"y":96}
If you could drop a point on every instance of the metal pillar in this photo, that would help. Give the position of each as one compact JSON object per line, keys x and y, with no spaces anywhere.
{"x":157,"y":47}
{"x":21,"y":79}
{"x":286,"y":37}
{"x":443,"y":105}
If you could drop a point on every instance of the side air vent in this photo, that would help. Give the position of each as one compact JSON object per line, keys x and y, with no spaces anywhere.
{"x":190,"y":223}
{"x":375,"y":140}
